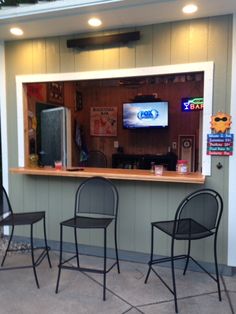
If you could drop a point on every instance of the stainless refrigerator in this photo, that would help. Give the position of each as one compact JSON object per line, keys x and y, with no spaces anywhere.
{"x":55,"y":136}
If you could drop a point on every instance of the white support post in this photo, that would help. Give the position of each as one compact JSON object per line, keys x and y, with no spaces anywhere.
{"x":3,"y":112}
{"x":232,"y":162}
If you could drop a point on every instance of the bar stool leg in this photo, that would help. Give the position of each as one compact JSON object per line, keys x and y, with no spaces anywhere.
{"x":60,"y":259}
{"x":76,"y":247}
{"x":105,"y":264}
{"x":46,"y":242}
{"x":187,"y":260}
{"x":116,"y":249}
{"x":32,"y":255}
{"x":151,"y":255}
{"x":8,"y":246}
{"x":216,"y":268}
{"x":173,"y":275}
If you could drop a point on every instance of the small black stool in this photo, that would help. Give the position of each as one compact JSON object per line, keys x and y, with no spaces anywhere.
{"x":22,"y":219}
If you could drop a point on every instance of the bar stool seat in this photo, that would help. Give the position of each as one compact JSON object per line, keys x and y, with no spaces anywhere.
{"x":21,"y":219}
{"x":87,"y":222}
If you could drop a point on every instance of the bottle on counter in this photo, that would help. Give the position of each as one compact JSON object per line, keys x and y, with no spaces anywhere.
{"x":33,"y":160}
{"x":152,"y":169}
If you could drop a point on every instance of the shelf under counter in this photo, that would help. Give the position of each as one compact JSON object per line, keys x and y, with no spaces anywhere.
{"x":119,"y":174}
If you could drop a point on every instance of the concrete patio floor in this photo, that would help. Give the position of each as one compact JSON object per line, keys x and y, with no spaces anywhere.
{"x":82,"y":292}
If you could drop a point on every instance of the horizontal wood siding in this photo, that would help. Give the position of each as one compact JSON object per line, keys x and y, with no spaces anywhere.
{"x":207,"y":39}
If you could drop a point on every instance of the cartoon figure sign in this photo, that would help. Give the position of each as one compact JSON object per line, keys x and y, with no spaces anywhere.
{"x":220,"y":122}
{"x":103,"y":121}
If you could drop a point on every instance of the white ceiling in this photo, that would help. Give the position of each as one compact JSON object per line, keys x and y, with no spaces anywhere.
{"x":63,"y":17}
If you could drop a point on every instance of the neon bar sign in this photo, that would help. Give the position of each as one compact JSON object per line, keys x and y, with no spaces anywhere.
{"x":192,"y":104}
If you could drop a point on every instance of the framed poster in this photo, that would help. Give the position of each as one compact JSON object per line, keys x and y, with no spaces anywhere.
{"x":56,"y":93}
{"x":103,"y":121}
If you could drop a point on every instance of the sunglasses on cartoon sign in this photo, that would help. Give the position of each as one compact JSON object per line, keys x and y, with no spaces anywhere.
{"x":217,"y":119}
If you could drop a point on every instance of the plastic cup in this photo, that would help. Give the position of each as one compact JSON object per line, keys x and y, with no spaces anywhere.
{"x":158,"y":170}
{"x":58,"y":164}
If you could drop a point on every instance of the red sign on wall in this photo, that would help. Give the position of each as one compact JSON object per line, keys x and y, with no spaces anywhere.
{"x":103,"y":121}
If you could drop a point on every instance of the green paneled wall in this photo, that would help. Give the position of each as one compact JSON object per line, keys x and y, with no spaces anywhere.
{"x":207,"y":39}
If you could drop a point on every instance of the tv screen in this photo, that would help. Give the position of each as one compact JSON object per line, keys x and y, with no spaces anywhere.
{"x":145,"y":115}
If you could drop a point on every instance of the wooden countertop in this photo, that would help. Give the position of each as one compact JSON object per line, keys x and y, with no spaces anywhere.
{"x":120,"y":174}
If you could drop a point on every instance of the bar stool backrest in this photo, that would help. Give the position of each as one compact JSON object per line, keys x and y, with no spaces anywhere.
{"x":204,"y":207}
{"x":96,"y":197}
{"x":96,"y":158}
{"x":5,"y":206}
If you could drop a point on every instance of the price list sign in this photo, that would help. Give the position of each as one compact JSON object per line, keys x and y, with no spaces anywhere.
{"x":220,"y":144}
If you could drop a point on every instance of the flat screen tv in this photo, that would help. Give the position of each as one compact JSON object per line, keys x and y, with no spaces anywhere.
{"x":145,"y":115}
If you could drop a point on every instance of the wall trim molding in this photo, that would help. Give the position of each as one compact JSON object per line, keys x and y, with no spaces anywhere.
{"x":124,"y":255}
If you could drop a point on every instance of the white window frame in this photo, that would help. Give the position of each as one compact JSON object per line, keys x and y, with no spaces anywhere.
{"x":205,"y":67}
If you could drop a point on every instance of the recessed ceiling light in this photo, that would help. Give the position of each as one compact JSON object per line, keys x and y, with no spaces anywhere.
{"x":16,"y":31}
{"x":95,"y":22}
{"x":190,"y":8}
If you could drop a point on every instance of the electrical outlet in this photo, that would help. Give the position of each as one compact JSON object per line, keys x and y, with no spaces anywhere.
{"x":116,"y":144}
{"x":174,"y":145}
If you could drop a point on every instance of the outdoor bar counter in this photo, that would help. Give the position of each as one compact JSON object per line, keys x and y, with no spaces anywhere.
{"x":118,"y":174}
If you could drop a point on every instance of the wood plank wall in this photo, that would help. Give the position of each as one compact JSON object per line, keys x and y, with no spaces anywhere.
{"x":115,"y":92}
{"x":207,"y":39}
{"x":141,"y":141}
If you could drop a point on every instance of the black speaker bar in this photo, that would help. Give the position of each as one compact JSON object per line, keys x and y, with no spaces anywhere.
{"x":103,"y":40}
{"x":10,"y":3}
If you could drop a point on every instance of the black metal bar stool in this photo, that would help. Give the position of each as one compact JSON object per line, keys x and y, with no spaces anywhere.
{"x":8,"y":218}
{"x":96,"y":206}
{"x":197,"y":217}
